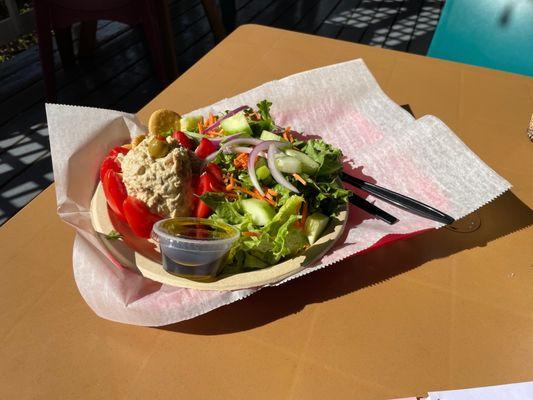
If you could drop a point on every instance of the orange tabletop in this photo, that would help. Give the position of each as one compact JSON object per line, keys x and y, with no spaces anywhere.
{"x":441,"y":310}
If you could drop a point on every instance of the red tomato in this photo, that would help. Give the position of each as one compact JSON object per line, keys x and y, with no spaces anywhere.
{"x":215,"y":171}
{"x":209,"y":183}
{"x":184,"y":140}
{"x":206,"y":183}
{"x":205,"y":148}
{"x":139,"y":216}
{"x":116,"y":150}
{"x":109,"y":163}
{"x":115,"y":191}
{"x":202,"y":210}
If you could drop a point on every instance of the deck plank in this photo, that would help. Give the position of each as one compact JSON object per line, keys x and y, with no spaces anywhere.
{"x":25,"y":187}
{"x":252,"y":10}
{"x":318,"y":13}
{"x":273,"y":12}
{"x":339,"y":17}
{"x":402,"y":29}
{"x":425,"y":26}
{"x":11,"y":83}
{"x":384,"y":18}
{"x":31,"y":55}
{"x":296,"y":13}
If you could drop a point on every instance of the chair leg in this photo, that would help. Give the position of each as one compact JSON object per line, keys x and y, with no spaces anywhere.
{"x":87,"y":38}
{"x":228,"y":11}
{"x":215,"y":19}
{"x":163,"y":17}
{"x":154,"y":38}
{"x":65,"y":45}
{"x":44,"y":35}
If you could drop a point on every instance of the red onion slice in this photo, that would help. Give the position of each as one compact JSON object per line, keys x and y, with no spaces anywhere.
{"x":229,"y":114}
{"x":251,"y":141}
{"x":217,"y":141}
{"x":261,"y":147}
{"x":240,"y":149}
{"x":278,"y":177}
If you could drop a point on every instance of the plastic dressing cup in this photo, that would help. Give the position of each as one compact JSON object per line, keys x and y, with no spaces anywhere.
{"x":194,"y":248}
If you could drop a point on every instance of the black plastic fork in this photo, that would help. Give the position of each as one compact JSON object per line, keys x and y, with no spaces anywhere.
{"x":396,"y":199}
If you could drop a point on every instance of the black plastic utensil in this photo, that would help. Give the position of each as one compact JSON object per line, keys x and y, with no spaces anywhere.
{"x":399,"y":200}
{"x":372,"y":209}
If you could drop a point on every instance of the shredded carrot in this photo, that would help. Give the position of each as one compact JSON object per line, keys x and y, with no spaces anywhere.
{"x":255,"y":194}
{"x":299,"y":179}
{"x":272,"y":192}
{"x":231,"y":183}
{"x":210,"y":133}
{"x":250,"y":234}
{"x":241,"y":161}
{"x":260,"y":197}
{"x":246,"y":191}
{"x":200,"y":127}
{"x":271,"y":202}
{"x":305,"y":213}
{"x":210,"y":120}
{"x":287,"y":135}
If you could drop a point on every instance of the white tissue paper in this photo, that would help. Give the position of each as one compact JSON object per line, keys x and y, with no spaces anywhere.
{"x":344,"y":105}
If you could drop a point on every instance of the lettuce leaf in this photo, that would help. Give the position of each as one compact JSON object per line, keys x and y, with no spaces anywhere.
{"x":278,"y":239}
{"x":326,"y":155}
{"x":265,"y":123}
{"x":327,"y":196}
{"x":227,"y":211}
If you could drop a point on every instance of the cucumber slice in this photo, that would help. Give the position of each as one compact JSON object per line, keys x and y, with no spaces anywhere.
{"x":189,"y":123}
{"x":266,"y":135}
{"x":289,"y":165}
{"x":261,"y":169}
{"x":315,"y":225}
{"x":236,"y":124}
{"x":309,"y":166}
{"x":261,"y":212}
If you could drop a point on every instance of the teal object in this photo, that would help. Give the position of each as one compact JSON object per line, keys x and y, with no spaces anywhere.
{"x":490,"y":33}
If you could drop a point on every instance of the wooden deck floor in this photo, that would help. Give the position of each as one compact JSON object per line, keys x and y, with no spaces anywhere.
{"x":121,"y":66}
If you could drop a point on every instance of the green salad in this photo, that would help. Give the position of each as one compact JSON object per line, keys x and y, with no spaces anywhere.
{"x":278,"y":189}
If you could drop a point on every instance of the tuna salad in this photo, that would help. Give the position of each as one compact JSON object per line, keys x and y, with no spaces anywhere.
{"x":159,"y":174}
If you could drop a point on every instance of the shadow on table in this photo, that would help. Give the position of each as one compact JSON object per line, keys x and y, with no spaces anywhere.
{"x":503,"y":216}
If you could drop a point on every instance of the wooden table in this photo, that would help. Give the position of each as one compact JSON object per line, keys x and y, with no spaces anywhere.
{"x":440,"y":310}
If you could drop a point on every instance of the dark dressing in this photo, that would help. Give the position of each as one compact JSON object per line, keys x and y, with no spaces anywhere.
{"x":198,"y":261}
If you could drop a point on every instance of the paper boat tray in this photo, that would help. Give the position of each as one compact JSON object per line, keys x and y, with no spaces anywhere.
{"x":143,"y":255}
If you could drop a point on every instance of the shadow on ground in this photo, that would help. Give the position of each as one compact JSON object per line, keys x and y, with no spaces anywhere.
{"x":503,"y":216}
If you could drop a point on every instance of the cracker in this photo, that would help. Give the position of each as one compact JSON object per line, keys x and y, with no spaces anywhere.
{"x":161,"y":121}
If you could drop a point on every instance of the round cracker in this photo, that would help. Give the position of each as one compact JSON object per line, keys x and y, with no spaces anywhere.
{"x":161,"y":121}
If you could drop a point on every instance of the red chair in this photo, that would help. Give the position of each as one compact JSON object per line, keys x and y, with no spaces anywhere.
{"x":59,"y":15}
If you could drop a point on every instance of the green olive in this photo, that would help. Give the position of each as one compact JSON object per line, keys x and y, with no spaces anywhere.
{"x":158,"y":148}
